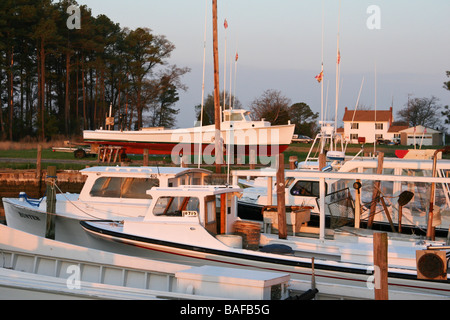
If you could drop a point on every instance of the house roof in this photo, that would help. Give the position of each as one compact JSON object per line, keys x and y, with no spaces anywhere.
{"x":419,"y":130}
{"x":368,"y":115}
{"x":395,"y":128}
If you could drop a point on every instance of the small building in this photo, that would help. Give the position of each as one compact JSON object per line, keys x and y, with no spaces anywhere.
{"x":394,"y":132}
{"x":421,"y":136}
{"x":367,"y":126}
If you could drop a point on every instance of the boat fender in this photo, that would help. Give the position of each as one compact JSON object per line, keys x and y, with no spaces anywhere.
{"x":277,"y":248}
{"x":327,"y":168}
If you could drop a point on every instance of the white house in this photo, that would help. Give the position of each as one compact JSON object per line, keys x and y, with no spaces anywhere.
{"x":367,"y":126}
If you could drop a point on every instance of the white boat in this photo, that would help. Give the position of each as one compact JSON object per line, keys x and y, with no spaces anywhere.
{"x":37,"y":268}
{"x":239,"y":133}
{"x":301,"y":190}
{"x":187,"y":225}
{"x":108,"y":193}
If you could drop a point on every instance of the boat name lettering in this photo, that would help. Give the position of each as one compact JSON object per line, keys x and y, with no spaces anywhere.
{"x":29,"y":216}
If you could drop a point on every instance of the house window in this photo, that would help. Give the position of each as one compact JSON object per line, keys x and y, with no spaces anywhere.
{"x":354,"y":136}
{"x":378,"y":126}
{"x":378,"y":137}
{"x":354,"y":125}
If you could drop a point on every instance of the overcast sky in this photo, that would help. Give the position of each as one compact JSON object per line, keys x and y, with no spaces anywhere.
{"x":407,"y":47}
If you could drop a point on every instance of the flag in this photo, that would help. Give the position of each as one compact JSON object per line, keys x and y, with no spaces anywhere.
{"x":225,"y":24}
{"x":237,"y":56}
{"x":319,"y":77}
{"x":339,"y":57}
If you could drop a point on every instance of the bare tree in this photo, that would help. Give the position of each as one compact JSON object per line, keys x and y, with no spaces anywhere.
{"x":421,"y":111}
{"x":272,"y":106}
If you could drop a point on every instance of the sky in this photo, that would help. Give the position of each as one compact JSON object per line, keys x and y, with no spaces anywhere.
{"x":395,"y":50}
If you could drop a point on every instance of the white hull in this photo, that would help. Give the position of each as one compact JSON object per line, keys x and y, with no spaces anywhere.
{"x":39,"y":269}
{"x":266,"y":135}
{"x":333,"y":279}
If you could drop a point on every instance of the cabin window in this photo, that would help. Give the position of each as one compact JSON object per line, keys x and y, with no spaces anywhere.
{"x":212,"y":207}
{"x":288,"y":182}
{"x":176,"y":207}
{"x":306,"y":188}
{"x":116,"y":187}
{"x":236,"y":117}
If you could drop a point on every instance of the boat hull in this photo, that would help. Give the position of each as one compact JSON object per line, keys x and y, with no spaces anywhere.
{"x":264,"y":141}
{"x":333,"y":280}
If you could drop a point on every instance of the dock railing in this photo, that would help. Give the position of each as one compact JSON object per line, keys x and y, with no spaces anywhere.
{"x":325,"y":176}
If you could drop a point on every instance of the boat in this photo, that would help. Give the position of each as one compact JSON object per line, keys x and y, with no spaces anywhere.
{"x":199,"y":225}
{"x":37,"y":268}
{"x":303,"y":190}
{"x":108,"y":193}
{"x":239,"y":133}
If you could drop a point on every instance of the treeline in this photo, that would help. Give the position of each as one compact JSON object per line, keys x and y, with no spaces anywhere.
{"x":58,"y":80}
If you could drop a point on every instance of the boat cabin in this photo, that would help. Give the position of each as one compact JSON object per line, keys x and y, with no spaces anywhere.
{"x":240,"y":118}
{"x":131,"y":183}
{"x":213,"y":207}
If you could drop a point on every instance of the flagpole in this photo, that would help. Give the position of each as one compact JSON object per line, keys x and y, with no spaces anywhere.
{"x":217,"y":137}
{"x":337,"y":69}
{"x":375,"y":135}
{"x":200,"y":143}
{"x":235,"y":72}
{"x":231,"y":76}
{"x":225,"y":24}
{"x":321,"y":86}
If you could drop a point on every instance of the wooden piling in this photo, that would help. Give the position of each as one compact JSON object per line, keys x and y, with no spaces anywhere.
{"x":380,"y":261}
{"x":292,"y":161}
{"x":376,"y":191}
{"x":430,"y":228}
{"x":50,"y":180}
{"x":38,"y":168}
{"x":322,"y":160}
{"x":217,"y":111}
{"x":281,"y":206}
{"x":145,"y":158}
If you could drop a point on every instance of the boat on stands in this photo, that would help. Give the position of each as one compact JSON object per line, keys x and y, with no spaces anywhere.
{"x":108,"y":193}
{"x":238,"y":131}
{"x":199,"y":225}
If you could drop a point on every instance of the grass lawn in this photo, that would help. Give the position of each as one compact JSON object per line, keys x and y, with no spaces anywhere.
{"x":67,"y":161}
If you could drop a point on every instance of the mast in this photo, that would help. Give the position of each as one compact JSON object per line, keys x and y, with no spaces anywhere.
{"x":200,"y":144}
{"x":217,"y":141}
{"x":337,"y":73}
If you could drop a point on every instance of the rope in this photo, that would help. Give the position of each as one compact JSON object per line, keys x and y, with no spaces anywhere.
{"x":86,"y":213}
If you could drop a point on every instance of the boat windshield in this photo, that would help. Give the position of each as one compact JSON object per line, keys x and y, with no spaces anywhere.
{"x":306,"y":188}
{"x":117,"y":187}
{"x":176,"y":206}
